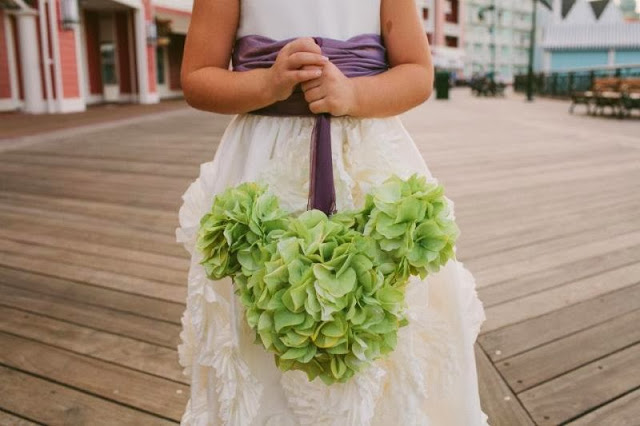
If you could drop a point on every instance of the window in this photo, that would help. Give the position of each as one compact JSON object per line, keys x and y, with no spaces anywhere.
{"x":452,"y":11}
{"x":160,"y":64}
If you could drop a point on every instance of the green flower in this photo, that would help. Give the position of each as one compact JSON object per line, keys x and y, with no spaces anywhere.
{"x":239,"y":218}
{"x":326,"y":294}
{"x":410,"y":220}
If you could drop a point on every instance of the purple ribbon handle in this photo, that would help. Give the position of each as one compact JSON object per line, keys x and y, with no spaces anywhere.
{"x":358,"y":56}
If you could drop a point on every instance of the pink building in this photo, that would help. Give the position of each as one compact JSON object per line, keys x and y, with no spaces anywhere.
{"x":59,"y":56}
{"x":444,"y":25}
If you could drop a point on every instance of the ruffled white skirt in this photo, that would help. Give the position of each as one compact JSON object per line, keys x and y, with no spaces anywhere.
{"x":429,"y":380}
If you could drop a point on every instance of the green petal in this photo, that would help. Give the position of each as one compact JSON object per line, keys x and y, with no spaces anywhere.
{"x":285,"y":318}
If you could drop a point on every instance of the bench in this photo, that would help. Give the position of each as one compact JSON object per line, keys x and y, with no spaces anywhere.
{"x":630,"y":95}
{"x":607,"y":93}
{"x":621,"y":95}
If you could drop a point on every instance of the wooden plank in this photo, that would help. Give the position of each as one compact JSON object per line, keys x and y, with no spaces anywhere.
{"x":137,"y":327}
{"x":573,"y":206}
{"x":116,"y":349}
{"x":570,"y":191}
{"x":505,"y":237}
{"x":136,"y":193}
{"x":50,"y":403}
{"x":106,"y":279}
{"x":507,"y":171}
{"x":564,"y":194}
{"x":524,"y":183}
{"x":95,"y":120}
{"x":152,"y":242}
{"x":556,"y":235}
{"x":578,"y":391}
{"x":555,"y":358}
{"x":518,"y":338}
{"x":552,"y":277}
{"x":129,"y":387}
{"x":141,"y":258}
{"x":101,"y":164}
{"x":92,"y":296}
{"x":8,"y":419}
{"x":545,"y":254}
{"x":567,"y":228}
{"x":497,"y":400}
{"x":72,"y":175}
{"x":624,"y":411}
{"x":538,"y":155}
{"x":559,"y":297}
{"x":89,"y":211}
{"x":71,"y":256}
{"x":186,"y":157}
{"x":505,"y":156}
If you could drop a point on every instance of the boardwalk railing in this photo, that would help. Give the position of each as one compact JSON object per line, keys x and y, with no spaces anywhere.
{"x":564,"y":83}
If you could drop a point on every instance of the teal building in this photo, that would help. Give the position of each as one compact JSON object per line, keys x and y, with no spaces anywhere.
{"x":586,"y":34}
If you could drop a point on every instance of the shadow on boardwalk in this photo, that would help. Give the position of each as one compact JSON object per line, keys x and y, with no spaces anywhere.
{"x":92,"y":282}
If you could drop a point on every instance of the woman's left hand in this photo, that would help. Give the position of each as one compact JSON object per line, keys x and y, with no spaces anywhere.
{"x":332,"y":92}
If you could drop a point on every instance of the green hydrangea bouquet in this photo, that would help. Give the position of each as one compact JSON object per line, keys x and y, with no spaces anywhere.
{"x":326,"y":294}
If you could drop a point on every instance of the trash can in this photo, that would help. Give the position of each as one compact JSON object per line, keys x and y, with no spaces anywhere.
{"x":442,"y":85}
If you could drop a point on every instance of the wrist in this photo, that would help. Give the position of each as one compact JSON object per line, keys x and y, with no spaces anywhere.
{"x":266,"y":89}
{"x":354,"y":105}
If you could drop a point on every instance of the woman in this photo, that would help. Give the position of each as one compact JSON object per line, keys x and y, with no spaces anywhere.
{"x":295,"y":64}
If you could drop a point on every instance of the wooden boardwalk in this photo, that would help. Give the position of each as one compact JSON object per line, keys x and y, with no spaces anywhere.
{"x":92,"y":282}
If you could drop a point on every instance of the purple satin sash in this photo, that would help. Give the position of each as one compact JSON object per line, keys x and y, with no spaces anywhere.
{"x":361,"y":55}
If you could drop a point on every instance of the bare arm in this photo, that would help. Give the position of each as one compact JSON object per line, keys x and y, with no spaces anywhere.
{"x":209,"y":85}
{"x":408,"y":82}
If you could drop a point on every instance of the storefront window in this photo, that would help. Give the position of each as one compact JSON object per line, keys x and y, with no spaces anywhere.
{"x":108,"y":60}
{"x":160,"y":64}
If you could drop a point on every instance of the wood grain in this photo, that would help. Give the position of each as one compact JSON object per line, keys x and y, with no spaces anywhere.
{"x":93,"y":282}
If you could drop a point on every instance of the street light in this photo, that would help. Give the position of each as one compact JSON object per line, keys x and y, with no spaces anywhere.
{"x":70,"y":14}
{"x":532,"y":46}
{"x":492,"y":30}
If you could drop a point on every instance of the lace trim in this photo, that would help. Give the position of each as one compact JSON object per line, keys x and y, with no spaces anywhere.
{"x":341,"y":404}
{"x":206,"y":338}
{"x":473,"y":308}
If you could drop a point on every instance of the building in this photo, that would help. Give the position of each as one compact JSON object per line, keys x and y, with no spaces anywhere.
{"x":588,"y":34}
{"x":444,"y":26}
{"x":630,"y":9}
{"x":497,"y":37}
{"x":59,"y":56}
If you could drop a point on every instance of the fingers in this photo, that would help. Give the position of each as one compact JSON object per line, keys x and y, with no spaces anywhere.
{"x":315,"y":94}
{"x":302,"y":59}
{"x":311,"y":84}
{"x":320,"y":106}
{"x":303,"y":44}
{"x":301,"y":76}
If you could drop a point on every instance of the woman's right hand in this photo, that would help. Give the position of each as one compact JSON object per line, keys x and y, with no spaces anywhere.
{"x":298,"y":61}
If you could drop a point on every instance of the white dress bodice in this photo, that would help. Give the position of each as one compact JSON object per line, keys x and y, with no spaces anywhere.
{"x":284,"y":19}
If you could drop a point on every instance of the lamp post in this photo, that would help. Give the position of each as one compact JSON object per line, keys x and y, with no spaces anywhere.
{"x":532,"y":47}
{"x":70,"y":15}
{"x":152,"y":33}
{"x":492,"y":31}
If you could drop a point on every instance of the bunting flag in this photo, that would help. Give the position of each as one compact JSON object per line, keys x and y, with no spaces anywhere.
{"x":546,"y":3}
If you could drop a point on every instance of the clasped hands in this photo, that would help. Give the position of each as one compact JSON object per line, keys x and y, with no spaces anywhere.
{"x":326,"y":89}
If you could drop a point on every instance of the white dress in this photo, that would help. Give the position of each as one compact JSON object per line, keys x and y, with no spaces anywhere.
{"x":430,"y":379}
